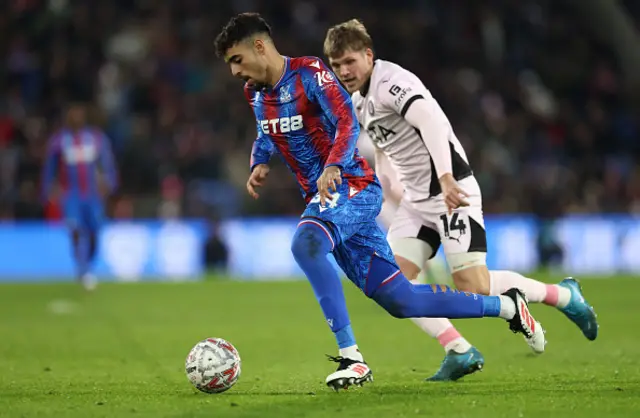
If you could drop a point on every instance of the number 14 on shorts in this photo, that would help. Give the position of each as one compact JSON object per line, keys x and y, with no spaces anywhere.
{"x":452,"y":226}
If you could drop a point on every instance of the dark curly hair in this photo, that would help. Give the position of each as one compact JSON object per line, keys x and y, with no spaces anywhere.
{"x":239,"y":28}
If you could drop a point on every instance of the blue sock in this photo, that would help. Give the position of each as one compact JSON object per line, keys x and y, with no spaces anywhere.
{"x":83,"y":254}
{"x":345,"y":337}
{"x":92,"y":246}
{"x":311,"y":246}
{"x":80,"y":251}
{"x":492,"y":305}
{"x":405,"y":300}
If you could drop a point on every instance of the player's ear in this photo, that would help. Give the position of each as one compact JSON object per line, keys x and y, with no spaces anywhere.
{"x":259,"y":46}
{"x":369,"y":54}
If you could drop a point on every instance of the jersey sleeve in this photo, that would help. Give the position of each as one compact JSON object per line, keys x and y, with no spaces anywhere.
{"x":322,"y":88}
{"x":263,"y":147}
{"x":262,"y":150}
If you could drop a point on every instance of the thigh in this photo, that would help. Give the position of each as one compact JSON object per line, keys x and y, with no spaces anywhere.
{"x":356,"y":254}
{"x":413,"y":235}
{"x":463,"y":230}
{"x":72,"y":212}
{"x":93,"y":215}
{"x":348,"y":209}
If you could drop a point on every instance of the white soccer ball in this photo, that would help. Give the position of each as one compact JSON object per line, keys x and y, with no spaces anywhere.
{"x":213,"y":365}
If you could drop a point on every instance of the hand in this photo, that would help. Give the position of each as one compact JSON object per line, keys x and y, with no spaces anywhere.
{"x":454,"y":196}
{"x":327,"y":183}
{"x":257,"y":179}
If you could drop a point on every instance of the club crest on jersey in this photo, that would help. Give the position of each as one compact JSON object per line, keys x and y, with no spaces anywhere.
{"x":285,"y":95}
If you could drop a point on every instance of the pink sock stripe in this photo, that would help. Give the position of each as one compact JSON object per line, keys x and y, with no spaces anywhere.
{"x":448,"y":335}
{"x":552,"y":295}
{"x":326,"y":231}
{"x":390,"y":278}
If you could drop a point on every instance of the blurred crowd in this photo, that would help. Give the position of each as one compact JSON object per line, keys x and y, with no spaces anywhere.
{"x":538,"y":104}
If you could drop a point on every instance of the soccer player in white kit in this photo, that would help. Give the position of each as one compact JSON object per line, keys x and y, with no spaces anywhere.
{"x":423,"y":167}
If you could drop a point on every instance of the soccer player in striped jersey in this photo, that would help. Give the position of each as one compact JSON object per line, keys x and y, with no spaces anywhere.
{"x":305,"y":116}
{"x":425,"y":170}
{"x":79,"y":164}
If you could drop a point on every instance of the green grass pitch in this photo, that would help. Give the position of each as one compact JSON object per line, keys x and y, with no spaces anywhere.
{"x":120,"y":351}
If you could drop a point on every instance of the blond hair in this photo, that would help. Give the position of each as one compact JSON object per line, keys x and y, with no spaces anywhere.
{"x":349,"y":35}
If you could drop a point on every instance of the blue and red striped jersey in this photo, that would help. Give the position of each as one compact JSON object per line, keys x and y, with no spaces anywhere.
{"x":307,"y":117}
{"x":75,"y":159}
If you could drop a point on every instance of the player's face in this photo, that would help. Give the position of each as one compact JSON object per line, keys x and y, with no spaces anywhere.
{"x":76,"y":115}
{"x":248,"y":61}
{"x":353,"y":68}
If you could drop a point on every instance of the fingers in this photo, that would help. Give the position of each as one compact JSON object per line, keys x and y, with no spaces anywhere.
{"x":324,"y":187}
{"x":321,"y":191}
{"x":455,"y":199}
{"x":255,"y":181}
{"x":261,"y":177}
{"x":328,"y":183}
{"x":334,"y":180}
{"x":454,"y":202}
{"x":252,"y":191}
{"x":332,"y":185}
{"x":325,"y":196}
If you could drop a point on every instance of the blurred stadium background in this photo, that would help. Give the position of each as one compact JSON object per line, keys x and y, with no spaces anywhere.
{"x":542,"y":93}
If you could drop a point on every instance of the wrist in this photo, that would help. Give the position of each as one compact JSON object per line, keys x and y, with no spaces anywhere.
{"x":259,"y":165}
{"x":333,"y":167}
{"x":445,"y":177}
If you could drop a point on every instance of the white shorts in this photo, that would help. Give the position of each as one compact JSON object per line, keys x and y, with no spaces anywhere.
{"x":419,"y":228}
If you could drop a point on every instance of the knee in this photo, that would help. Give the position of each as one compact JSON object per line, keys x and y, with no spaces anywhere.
{"x":309,"y":241}
{"x":408,"y":268}
{"x":473,"y":279}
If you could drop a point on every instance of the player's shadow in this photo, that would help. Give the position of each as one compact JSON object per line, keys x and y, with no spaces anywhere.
{"x":275,"y":393}
{"x":461,"y":387}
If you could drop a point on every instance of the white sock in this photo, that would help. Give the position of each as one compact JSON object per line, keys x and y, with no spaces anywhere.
{"x":502,"y":280}
{"x":459,"y":345}
{"x":536,"y":292}
{"x":442,"y":329}
{"x":351,"y":352}
{"x":507,"y":307}
{"x":563,"y":297}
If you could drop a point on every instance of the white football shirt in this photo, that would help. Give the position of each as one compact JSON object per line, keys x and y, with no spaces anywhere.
{"x":381,"y":109}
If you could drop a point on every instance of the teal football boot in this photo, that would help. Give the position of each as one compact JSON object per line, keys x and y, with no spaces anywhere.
{"x":457,"y":365}
{"x":578,"y":309}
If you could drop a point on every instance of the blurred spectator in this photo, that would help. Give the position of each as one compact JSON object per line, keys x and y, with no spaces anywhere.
{"x":216,"y":254}
{"x":532,"y":95}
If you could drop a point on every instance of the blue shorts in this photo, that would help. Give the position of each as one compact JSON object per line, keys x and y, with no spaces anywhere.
{"x":352,"y":226}
{"x":86,"y":214}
